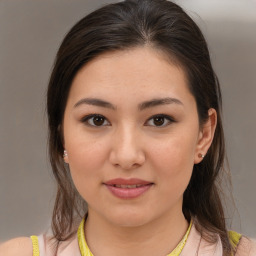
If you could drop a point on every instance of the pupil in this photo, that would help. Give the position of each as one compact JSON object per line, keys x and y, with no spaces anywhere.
{"x":98,"y":120}
{"x":159,"y":121}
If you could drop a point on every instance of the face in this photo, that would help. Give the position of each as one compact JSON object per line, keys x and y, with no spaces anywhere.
{"x":131,"y":132}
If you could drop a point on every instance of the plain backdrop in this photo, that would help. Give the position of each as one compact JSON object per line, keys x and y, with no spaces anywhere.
{"x":30,"y":34}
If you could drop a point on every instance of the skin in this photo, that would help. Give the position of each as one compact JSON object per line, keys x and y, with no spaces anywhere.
{"x":21,"y":246}
{"x":131,"y":144}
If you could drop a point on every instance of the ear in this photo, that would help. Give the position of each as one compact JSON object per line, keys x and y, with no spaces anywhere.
{"x":65,"y":153}
{"x":206,"y":136}
{"x":65,"y":156}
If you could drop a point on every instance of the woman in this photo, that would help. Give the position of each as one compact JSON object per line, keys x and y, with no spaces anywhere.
{"x":135,"y":131}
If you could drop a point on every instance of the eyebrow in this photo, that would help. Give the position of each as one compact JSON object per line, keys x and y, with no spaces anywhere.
{"x":141,"y":106}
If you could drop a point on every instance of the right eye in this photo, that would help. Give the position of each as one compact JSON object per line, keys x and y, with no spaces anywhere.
{"x":94,"y":120}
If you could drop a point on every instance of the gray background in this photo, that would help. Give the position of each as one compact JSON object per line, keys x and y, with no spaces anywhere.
{"x":30,"y":33}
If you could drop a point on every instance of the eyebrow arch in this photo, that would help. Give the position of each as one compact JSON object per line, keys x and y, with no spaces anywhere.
{"x":141,"y":106}
{"x":157,"y":102}
{"x":95,"y":102}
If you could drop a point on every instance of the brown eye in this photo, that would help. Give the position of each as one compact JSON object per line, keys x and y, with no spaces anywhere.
{"x":160,"y":120}
{"x":94,"y":120}
{"x":98,"y":120}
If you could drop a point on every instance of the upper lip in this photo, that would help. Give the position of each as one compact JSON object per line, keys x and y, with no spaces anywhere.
{"x":132,"y":181}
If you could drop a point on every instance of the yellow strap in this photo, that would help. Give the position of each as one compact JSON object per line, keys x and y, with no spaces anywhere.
{"x":85,"y":251}
{"x":234,"y":238}
{"x":180,"y":246}
{"x":35,"y":245}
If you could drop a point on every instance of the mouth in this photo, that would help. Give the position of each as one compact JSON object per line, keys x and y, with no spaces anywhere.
{"x":128,"y":188}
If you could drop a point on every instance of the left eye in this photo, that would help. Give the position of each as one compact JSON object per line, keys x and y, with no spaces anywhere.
{"x":161,"y":120}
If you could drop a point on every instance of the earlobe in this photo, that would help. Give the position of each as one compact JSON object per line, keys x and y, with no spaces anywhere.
{"x":206,"y":136}
{"x":65,"y":156}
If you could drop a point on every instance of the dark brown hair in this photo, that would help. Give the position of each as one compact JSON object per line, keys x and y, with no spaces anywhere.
{"x":163,"y":26}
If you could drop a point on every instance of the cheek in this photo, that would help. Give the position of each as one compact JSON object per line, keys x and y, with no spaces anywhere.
{"x":175,"y":151}
{"x":173,"y":160}
{"x":86,"y":160}
{"x":85,"y":150}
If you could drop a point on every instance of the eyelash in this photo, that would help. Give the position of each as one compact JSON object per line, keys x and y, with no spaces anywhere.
{"x":88,"y":117}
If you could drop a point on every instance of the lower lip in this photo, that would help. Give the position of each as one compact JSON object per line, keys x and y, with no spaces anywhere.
{"x":128,"y":193}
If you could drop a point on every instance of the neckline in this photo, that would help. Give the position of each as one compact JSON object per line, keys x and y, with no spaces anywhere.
{"x":85,"y":250}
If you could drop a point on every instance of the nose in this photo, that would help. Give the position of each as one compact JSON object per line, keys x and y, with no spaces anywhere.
{"x":127,"y":151}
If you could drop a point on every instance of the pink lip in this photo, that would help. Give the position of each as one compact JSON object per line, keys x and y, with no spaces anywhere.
{"x":128,"y":193}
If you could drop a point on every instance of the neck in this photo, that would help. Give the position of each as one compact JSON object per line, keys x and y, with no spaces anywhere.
{"x":158,"y":237}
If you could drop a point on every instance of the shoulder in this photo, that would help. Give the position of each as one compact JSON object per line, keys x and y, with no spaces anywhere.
{"x":21,"y":246}
{"x":246,"y":247}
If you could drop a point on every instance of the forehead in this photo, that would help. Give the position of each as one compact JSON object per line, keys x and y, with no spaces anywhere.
{"x":138,"y":72}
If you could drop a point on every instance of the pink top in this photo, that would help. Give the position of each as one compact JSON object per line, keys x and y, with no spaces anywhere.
{"x":195,"y":245}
